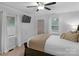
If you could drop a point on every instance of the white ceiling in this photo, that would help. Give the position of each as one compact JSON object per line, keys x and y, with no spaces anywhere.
{"x":59,"y":7}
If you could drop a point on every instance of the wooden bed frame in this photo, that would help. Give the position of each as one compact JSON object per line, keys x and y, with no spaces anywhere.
{"x":32,"y":52}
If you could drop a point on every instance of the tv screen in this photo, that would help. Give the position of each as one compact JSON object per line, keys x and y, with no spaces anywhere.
{"x":26,"y":19}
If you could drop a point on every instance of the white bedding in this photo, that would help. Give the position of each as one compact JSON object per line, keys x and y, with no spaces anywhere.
{"x":56,"y":46}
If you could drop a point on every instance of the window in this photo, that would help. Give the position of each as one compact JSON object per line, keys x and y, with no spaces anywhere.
{"x":11,"y":25}
{"x":54,"y":25}
{"x":10,"y":21}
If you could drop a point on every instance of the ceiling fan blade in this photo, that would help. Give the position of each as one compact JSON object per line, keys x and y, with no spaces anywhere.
{"x":31,"y":6}
{"x":47,"y":8}
{"x":51,"y":3}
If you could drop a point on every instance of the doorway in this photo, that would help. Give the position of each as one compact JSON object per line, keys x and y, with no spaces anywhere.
{"x":40,"y":26}
{"x":11,"y":31}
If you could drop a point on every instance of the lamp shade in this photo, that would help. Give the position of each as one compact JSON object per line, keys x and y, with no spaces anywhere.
{"x":74,"y":27}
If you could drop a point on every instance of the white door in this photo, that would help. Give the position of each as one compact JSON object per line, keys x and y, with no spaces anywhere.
{"x":11,"y":32}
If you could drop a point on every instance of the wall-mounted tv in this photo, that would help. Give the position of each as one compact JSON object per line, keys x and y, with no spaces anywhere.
{"x":26,"y":19}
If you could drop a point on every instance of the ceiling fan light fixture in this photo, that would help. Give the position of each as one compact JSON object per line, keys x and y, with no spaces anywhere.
{"x":40,"y":7}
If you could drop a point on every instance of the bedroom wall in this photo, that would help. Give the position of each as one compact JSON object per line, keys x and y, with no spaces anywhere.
{"x":28,"y":29}
{"x":25,"y":30}
{"x":46,"y":18}
{"x":8,"y":10}
{"x":67,"y":20}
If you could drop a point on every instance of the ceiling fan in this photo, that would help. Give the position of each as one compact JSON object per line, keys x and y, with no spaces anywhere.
{"x":42,"y":5}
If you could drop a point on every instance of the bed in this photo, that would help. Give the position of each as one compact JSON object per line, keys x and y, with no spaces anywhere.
{"x":54,"y":45}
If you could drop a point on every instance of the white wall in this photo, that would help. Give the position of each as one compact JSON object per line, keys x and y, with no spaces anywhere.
{"x":28,"y":29}
{"x":46,"y":21}
{"x":67,"y":20}
{"x":24,"y":30}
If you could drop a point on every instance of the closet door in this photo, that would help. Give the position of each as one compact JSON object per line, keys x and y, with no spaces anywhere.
{"x":11,"y":32}
{"x":40,"y":26}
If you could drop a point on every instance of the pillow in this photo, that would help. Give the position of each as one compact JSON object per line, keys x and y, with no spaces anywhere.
{"x":70,"y":36}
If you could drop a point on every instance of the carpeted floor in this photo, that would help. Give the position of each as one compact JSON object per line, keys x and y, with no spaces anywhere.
{"x":19,"y":51}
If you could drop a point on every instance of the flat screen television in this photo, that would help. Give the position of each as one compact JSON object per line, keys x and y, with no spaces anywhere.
{"x":26,"y":19}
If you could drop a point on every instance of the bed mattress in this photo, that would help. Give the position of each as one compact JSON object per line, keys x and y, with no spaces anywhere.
{"x":55,"y":45}
{"x":60,"y":47}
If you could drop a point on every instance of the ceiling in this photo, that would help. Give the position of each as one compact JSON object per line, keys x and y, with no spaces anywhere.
{"x":59,"y":7}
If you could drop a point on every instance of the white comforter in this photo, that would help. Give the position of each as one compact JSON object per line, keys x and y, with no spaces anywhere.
{"x":56,"y":46}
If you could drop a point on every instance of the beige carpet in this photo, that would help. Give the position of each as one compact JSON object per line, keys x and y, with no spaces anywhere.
{"x":18,"y":51}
